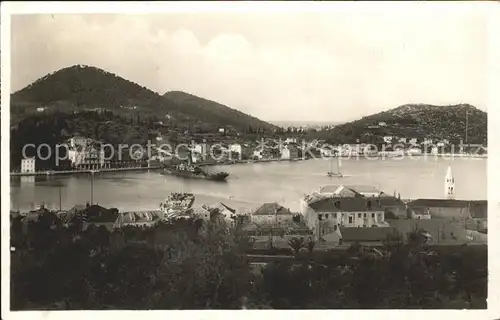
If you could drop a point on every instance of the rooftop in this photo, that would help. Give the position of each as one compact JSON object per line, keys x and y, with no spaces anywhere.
{"x":270,"y":209}
{"x":336,"y":204}
{"x":349,"y":190}
{"x":447,"y":203}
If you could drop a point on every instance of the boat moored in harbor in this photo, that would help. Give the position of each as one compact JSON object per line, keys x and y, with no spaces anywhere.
{"x":195,"y":172}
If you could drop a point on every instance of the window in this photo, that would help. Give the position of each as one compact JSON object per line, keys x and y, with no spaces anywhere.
{"x":350,"y":219}
{"x":359,"y":215}
{"x":320,"y":217}
{"x":369,"y":204}
{"x":337,"y":204}
{"x":364,"y":215}
{"x":326,"y":216}
{"x":373,"y":215}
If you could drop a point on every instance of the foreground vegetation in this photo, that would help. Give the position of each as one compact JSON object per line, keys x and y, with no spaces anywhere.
{"x":194,"y":265}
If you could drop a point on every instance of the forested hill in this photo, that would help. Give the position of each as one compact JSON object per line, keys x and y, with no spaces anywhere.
{"x":418,"y":121}
{"x":84,"y":87}
{"x":214,"y":112}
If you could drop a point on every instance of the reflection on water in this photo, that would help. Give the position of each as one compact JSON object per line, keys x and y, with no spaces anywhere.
{"x":252,"y":184}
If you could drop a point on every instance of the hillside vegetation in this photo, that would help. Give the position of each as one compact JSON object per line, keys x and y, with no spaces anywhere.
{"x":417,"y":121}
{"x":84,"y":87}
{"x":214,"y":112}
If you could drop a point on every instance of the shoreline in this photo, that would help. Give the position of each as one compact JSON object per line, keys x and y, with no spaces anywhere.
{"x":235,"y":162}
{"x":75,"y":172}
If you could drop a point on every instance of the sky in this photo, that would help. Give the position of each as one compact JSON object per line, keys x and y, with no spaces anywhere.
{"x":337,"y":65}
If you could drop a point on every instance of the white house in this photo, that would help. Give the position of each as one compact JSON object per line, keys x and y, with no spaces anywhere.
{"x":28,"y":165}
{"x":402,"y":140}
{"x":41,"y":109}
{"x":331,"y":190}
{"x":285,"y":153}
{"x":86,"y":156}
{"x":413,"y":141}
{"x":382,"y":124}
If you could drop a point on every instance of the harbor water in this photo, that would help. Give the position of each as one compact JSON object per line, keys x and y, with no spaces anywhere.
{"x":250,"y":185}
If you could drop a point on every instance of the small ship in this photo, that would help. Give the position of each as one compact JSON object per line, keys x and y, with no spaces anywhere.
{"x":194,"y":172}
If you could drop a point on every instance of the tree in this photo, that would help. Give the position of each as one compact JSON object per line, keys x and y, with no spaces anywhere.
{"x":296,"y":244}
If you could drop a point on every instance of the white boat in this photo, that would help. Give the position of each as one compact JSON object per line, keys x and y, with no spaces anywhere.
{"x":333,"y":174}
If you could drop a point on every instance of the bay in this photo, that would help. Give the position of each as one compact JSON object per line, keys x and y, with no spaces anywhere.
{"x":250,"y":185}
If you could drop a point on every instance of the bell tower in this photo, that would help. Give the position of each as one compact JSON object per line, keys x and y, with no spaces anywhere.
{"x":449,"y":185}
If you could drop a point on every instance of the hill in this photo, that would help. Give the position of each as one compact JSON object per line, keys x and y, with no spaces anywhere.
{"x":83,"y":87}
{"x":417,"y":121}
{"x":214,"y":112}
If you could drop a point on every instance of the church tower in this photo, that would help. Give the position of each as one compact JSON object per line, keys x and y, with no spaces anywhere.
{"x":449,"y":185}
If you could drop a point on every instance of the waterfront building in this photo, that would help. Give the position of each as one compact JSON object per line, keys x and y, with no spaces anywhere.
{"x":85,"y":153}
{"x":28,"y":165}
{"x":87,"y":157}
{"x":258,"y":154}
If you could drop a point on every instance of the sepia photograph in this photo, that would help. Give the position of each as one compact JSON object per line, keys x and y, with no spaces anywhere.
{"x":259,"y":159}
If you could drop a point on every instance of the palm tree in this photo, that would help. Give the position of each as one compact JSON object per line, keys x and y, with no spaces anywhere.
{"x":296,"y":244}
